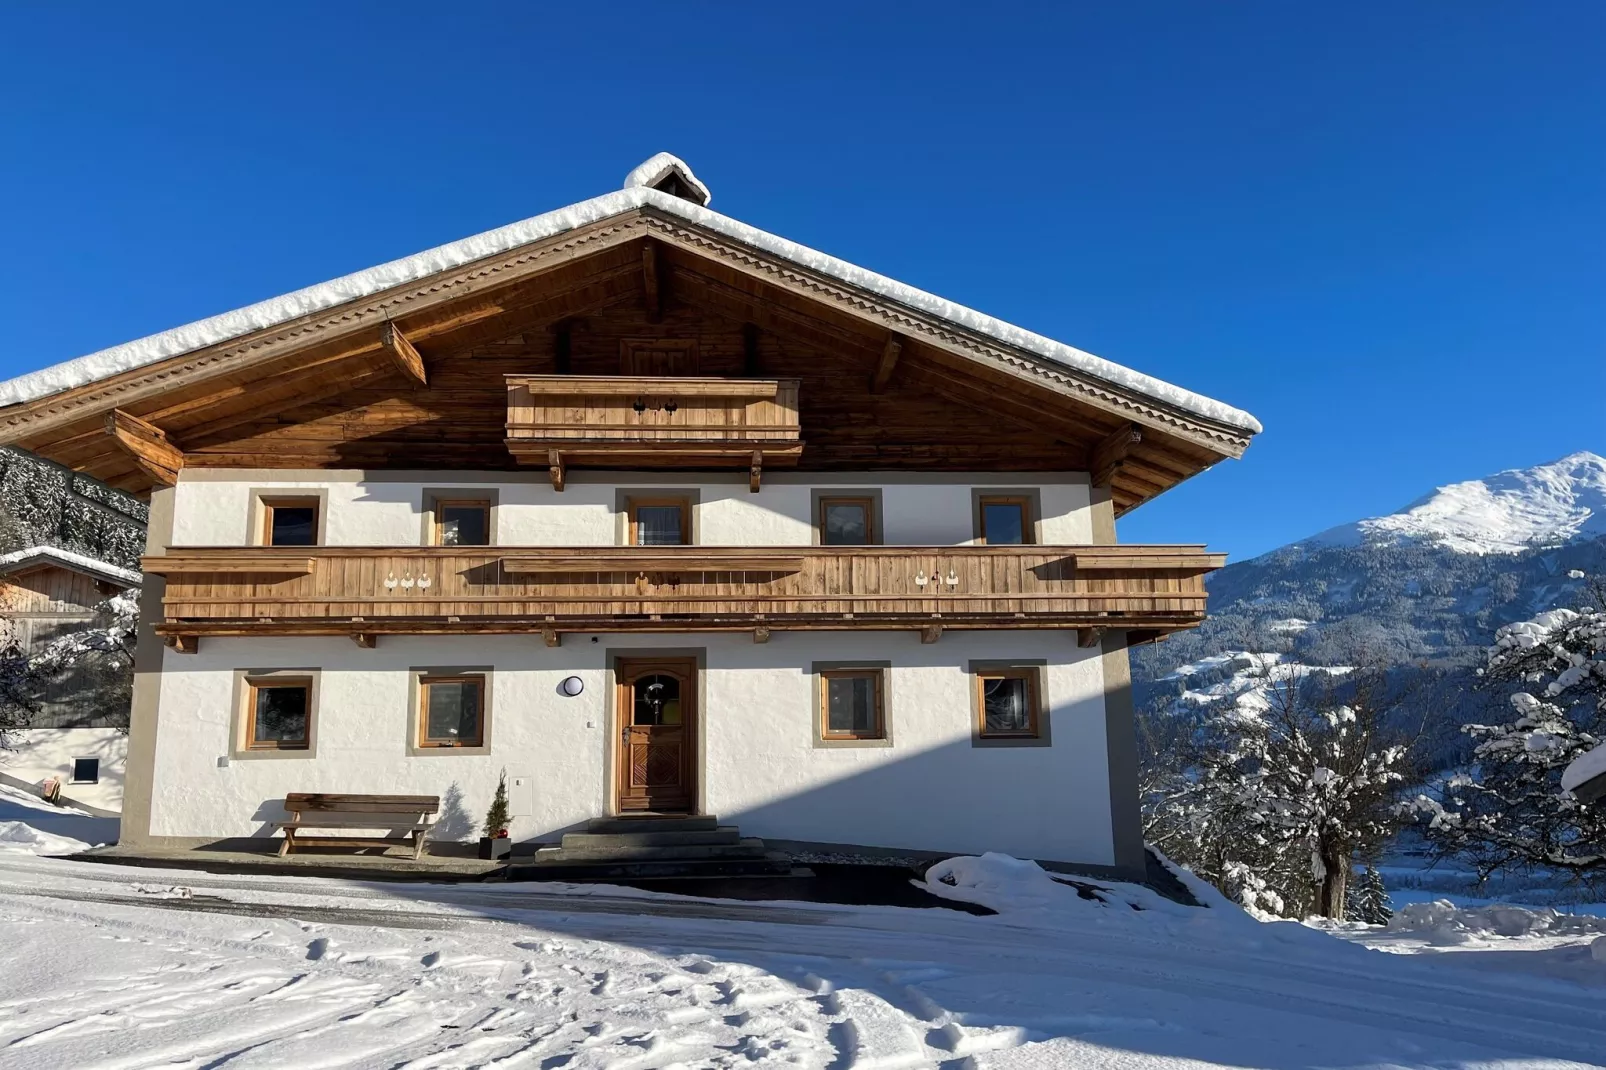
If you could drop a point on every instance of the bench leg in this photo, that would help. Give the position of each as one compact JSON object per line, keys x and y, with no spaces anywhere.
{"x":418,"y":846}
{"x":289,"y":842}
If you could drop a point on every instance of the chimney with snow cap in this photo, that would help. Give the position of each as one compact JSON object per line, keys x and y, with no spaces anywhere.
{"x":668,"y":173}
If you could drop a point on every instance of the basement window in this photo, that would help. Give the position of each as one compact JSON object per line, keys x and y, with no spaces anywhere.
{"x":86,"y":770}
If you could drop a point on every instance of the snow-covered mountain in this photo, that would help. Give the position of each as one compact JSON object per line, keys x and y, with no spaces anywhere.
{"x":1506,"y":513}
{"x":1423,"y":589}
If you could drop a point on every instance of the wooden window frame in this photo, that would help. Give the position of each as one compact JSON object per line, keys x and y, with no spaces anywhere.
{"x":872,"y":533}
{"x":1034,"y":699}
{"x":264,"y":683}
{"x":484,"y":504}
{"x":634,"y":502}
{"x":1028,"y":521}
{"x":425,"y":680}
{"x":267,"y":503}
{"x":875,"y":675}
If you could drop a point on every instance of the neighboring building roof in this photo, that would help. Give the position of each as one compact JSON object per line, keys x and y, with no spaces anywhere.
{"x":1586,"y":776}
{"x":18,"y":560}
{"x":638,"y":192}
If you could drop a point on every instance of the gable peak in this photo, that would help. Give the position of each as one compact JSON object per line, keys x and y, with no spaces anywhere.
{"x":670,"y":174}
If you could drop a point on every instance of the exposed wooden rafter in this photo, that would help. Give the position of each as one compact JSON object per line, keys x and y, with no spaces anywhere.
{"x":147,"y":444}
{"x":366,"y":640}
{"x":1110,"y":456}
{"x":889,"y":362}
{"x":755,"y":471}
{"x":402,"y":353}
{"x":650,"y":282}
{"x":1088,"y":638}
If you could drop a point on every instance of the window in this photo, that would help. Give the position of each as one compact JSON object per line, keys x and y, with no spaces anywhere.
{"x":289,"y":521}
{"x":86,"y":770}
{"x":278,"y":714}
{"x":847,"y":522}
{"x":451,"y":711}
{"x":462,"y":522}
{"x":659,"y":521}
{"x":1007,"y":702}
{"x":851,"y":706}
{"x":1005,"y":520}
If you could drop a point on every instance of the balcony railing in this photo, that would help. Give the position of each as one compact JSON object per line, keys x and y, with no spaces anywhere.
{"x":637,"y":422}
{"x":365,"y":591}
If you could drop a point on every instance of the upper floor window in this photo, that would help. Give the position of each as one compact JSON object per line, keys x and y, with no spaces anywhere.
{"x":1004,"y":520}
{"x":659,"y":521}
{"x":289,"y":521}
{"x":847,"y":522}
{"x":462,"y":522}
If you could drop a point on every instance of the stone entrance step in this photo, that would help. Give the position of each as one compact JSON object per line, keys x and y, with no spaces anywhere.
{"x":651,"y":846}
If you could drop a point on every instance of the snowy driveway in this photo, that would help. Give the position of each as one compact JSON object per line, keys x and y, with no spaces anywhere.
{"x":108,"y":967}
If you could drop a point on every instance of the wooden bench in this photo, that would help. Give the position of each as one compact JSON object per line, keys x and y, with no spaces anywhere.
{"x":386,"y":813}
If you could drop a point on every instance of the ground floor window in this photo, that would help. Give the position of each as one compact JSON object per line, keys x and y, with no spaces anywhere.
{"x":1007,"y":703}
{"x":86,"y":770}
{"x":851,"y":704}
{"x":278,"y":714}
{"x":451,"y":711}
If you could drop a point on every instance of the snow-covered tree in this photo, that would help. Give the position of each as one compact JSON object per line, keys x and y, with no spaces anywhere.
{"x":1370,"y":900}
{"x":1278,"y":798}
{"x":1509,"y":810}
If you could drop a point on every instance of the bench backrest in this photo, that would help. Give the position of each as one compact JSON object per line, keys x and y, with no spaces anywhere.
{"x":323,"y":803}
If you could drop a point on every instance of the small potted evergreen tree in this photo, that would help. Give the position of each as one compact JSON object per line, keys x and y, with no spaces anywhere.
{"x":495,"y":843}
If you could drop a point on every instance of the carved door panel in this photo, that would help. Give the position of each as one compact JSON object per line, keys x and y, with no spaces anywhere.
{"x":656,"y":719}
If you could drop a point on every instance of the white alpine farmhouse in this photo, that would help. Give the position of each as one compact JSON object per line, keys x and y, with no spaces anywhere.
{"x":655,"y":512}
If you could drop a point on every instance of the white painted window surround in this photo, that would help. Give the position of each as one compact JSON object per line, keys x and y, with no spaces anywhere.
{"x":212,"y":508}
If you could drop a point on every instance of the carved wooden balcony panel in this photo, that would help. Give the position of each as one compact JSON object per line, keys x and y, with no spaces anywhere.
{"x":443,"y":590}
{"x":638,"y":422}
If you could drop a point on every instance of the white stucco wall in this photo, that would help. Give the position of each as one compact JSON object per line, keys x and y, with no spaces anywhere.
{"x":761,"y":767}
{"x":37,"y":753}
{"x":388,"y":511}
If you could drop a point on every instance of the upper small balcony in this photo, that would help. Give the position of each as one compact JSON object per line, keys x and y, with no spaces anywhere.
{"x":644,"y":422}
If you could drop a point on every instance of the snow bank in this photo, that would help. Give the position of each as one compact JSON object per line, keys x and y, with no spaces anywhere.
{"x":995,"y":880}
{"x":17,"y":836}
{"x":1444,"y":923}
{"x":366,"y":283}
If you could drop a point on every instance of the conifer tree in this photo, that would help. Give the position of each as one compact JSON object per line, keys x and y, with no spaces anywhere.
{"x":496,"y":818}
{"x":1370,"y":900}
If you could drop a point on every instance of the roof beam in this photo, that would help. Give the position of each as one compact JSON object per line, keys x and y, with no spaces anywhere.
{"x":650,"y":281}
{"x":147,"y":444}
{"x":402,"y":353}
{"x":1110,"y":455}
{"x":889,"y":361}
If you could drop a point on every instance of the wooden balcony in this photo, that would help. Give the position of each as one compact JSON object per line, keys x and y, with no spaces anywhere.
{"x":640,"y":422}
{"x":365,"y":592}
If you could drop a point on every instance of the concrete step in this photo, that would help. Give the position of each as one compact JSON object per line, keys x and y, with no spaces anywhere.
{"x":668,"y":838}
{"x":668,"y":823}
{"x":644,"y":870}
{"x":745,"y":848}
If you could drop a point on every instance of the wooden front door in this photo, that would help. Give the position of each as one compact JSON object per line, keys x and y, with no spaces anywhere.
{"x":656,"y":717}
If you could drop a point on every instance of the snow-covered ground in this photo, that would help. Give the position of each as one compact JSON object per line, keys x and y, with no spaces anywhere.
{"x":1243,"y":680}
{"x":107,"y":967}
{"x":29,"y":823}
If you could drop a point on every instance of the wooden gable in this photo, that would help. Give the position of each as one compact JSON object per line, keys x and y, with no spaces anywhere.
{"x":413,"y":377}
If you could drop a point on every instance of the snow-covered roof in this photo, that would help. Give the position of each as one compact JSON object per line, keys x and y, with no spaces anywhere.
{"x":1589,"y":766}
{"x":638,"y":193}
{"x":17,"y":560}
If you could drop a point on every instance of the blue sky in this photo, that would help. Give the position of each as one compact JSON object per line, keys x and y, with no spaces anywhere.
{"x":1378,"y":227}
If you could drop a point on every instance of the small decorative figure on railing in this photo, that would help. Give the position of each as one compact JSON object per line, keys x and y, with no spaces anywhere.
{"x":390,"y":581}
{"x":423,"y":583}
{"x":921,"y":579}
{"x":952,"y":579}
{"x":640,"y":406}
{"x":407,"y":580}
{"x":670,"y":406}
